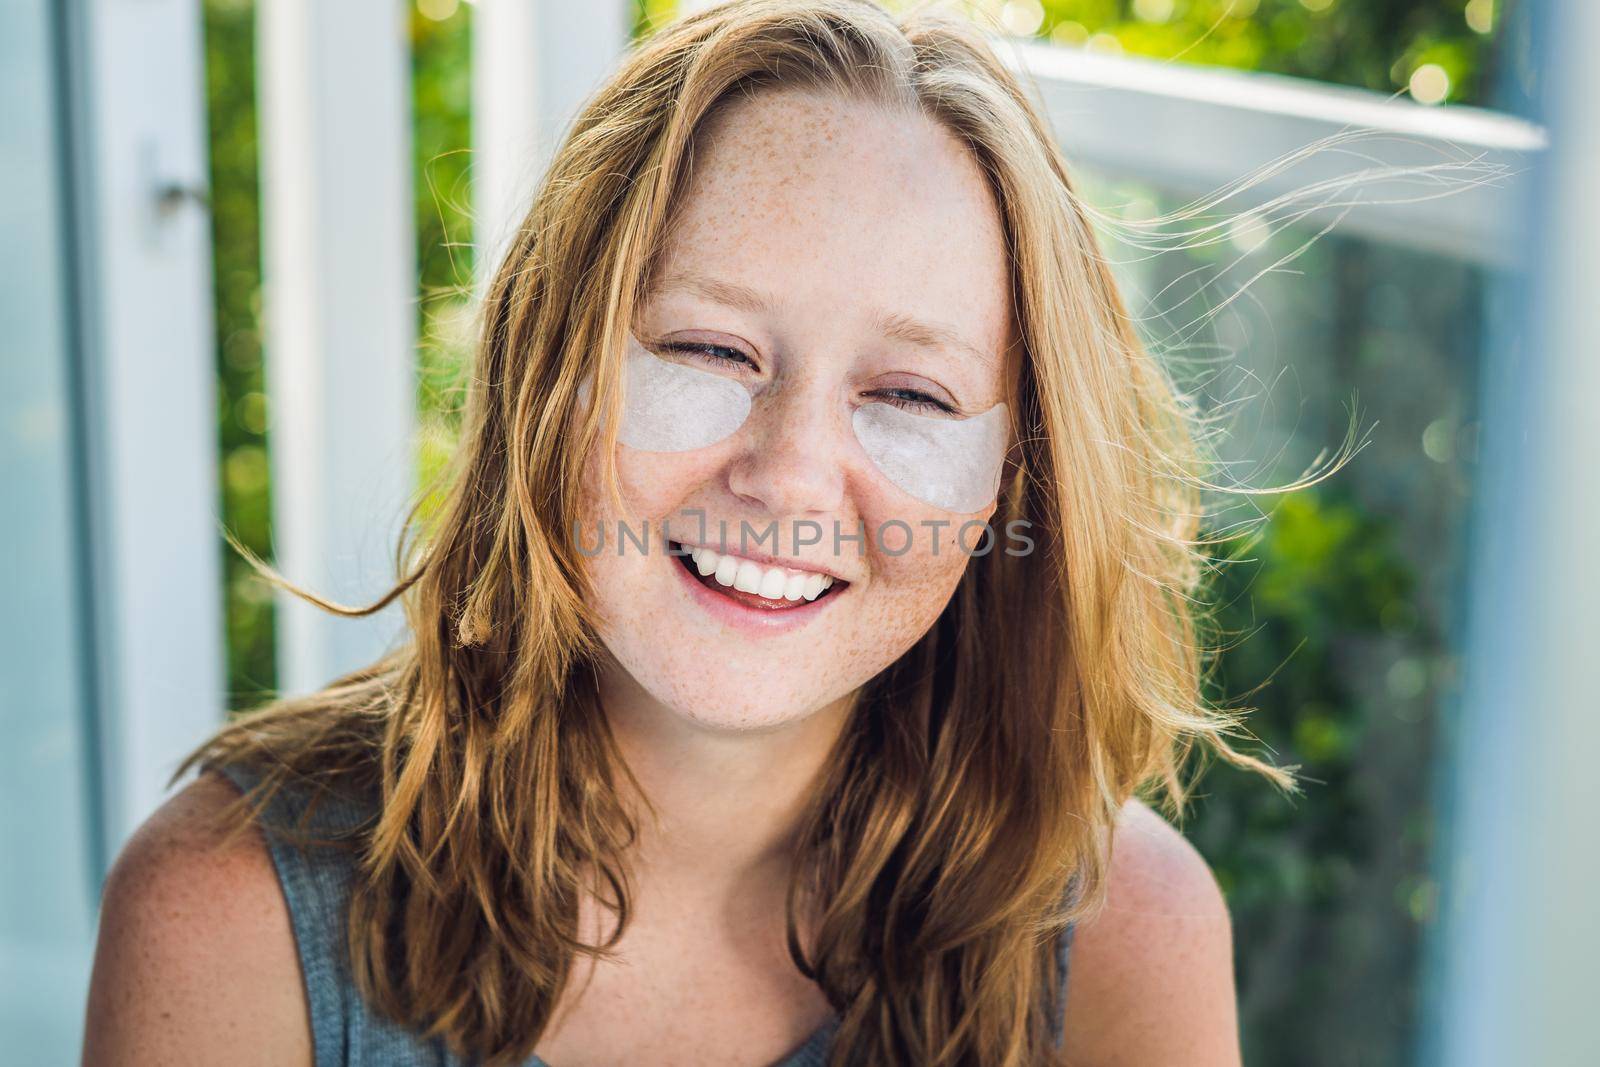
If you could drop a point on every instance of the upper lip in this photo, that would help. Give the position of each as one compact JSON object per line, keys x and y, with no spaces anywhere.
{"x":770,"y":560}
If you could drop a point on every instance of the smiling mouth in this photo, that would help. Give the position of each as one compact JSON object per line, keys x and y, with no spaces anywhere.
{"x":753,"y":584}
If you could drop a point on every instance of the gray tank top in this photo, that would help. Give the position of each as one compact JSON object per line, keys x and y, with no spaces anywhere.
{"x":345,"y":1032}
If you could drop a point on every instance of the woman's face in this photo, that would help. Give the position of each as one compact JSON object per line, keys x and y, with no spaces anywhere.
{"x":830,"y":255}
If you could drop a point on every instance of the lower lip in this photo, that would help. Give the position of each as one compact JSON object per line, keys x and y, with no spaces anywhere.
{"x":761,"y":621}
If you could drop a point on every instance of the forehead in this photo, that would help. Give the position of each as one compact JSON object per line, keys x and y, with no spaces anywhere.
{"x":847,"y":213}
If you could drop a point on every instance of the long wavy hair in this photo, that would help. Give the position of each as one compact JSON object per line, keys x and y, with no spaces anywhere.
{"x":963,"y":816}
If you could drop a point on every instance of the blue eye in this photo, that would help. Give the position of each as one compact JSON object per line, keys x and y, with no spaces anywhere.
{"x":914,"y":400}
{"x":718,"y":354}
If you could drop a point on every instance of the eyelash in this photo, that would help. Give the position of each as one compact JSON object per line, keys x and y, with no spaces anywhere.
{"x":709,"y":353}
{"x":907,"y":399}
{"x":915,"y":400}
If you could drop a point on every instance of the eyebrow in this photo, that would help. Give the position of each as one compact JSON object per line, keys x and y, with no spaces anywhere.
{"x":889,"y":324}
{"x":928,"y":335}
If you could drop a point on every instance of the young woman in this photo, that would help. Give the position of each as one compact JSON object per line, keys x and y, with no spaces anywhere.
{"x":644,"y":787}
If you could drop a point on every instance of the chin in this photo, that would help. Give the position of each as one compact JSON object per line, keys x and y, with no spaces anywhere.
{"x":721,"y":697}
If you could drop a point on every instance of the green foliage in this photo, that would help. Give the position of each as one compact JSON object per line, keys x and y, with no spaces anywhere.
{"x":442,"y":86}
{"x":1323,"y":576}
{"x":1375,"y":44}
{"x":242,"y":415}
{"x":441,"y":79}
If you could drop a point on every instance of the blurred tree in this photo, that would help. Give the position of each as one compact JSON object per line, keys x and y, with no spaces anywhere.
{"x":242,"y":415}
{"x":1375,"y":44}
{"x":441,"y":39}
{"x":1324,"y":575}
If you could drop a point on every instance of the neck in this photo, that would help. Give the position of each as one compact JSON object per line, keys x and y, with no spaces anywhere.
{"x":727,"y":803}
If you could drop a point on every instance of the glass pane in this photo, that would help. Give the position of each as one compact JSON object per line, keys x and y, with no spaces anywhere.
{"x":1343,"y":612}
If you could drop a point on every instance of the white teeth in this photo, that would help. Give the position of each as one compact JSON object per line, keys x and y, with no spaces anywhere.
{"x":795,"y":587}
{"x":748,"y":578}
{"x":774,"y":583}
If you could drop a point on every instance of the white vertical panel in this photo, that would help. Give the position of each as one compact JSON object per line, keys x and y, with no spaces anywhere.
{"x":1522,"y":918}
{"x":50,"y":874}
{"x":339,"y":270}
{"x":534,"y":62}
{"x":139,"y":90}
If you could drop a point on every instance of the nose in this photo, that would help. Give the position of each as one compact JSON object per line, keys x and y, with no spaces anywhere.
{"x":791,"y":463}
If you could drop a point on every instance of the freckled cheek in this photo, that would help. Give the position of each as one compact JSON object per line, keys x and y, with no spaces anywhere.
{"x":911,"y":587}
{"x":654,"y":484}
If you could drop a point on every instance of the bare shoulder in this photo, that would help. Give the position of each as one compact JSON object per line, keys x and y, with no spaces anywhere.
{"x":1151,"y":980}
{"x":196,"y":957}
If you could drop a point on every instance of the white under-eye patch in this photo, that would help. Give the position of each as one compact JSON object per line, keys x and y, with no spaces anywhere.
{"x":673,"y":407}
{"x":952,"y":464}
